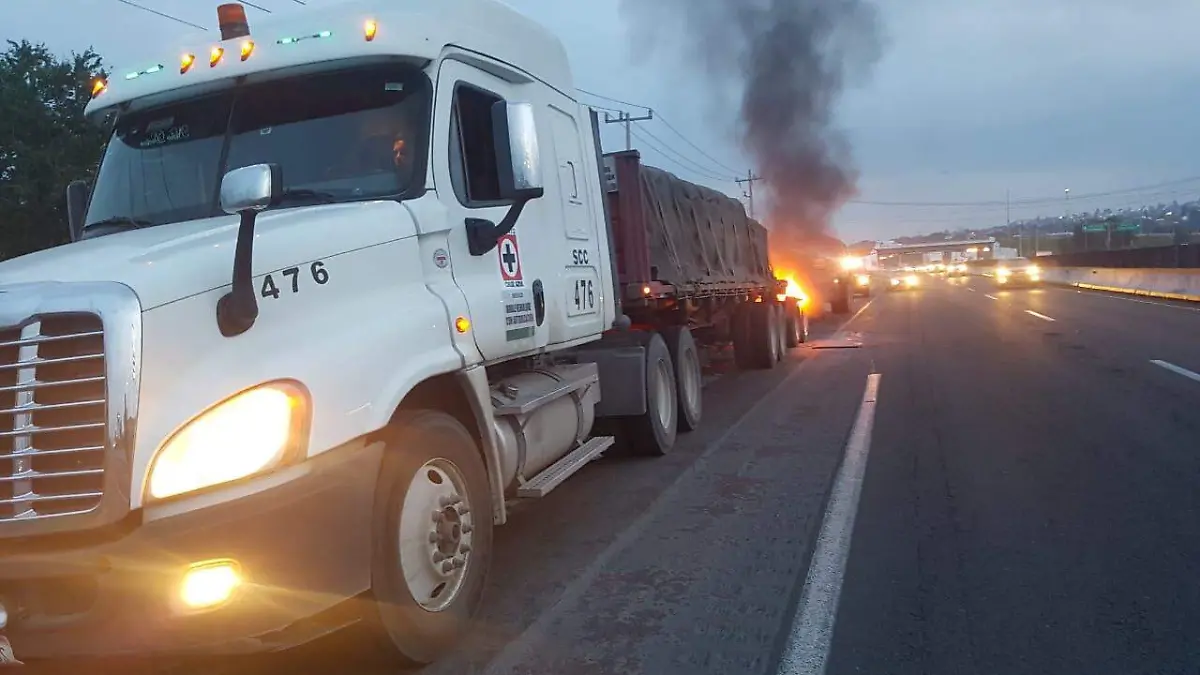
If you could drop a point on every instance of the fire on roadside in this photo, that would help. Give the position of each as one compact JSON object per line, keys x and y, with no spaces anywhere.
{"x":793,"y":290}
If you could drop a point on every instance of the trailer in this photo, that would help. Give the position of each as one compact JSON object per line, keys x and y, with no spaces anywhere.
{"x":688,"y":254}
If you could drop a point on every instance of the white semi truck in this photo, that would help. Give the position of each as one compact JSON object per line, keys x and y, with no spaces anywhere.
{"x":344,"y":287}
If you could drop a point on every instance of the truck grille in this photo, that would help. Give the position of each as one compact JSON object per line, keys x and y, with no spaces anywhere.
{"x":53,"y":417}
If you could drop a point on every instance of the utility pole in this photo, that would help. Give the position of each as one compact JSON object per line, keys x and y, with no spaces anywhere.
{"x":750,"y":180}
{"x":626,"y":119}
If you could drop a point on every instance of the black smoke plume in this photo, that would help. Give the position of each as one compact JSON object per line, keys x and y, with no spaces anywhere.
{"x":786,"y":62}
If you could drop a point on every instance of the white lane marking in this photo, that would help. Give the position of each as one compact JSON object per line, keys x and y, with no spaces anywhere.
{"x":808,"y":645}
{"x":1178,"y":370}
{"x":970,"y":289}
{"x":856,"y":315}
{"x":1043,"y":317}
{"x":991,"y":297}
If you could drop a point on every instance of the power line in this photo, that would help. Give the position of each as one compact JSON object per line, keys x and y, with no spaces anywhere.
{"x":300,"y":2}
{"x":162,"y":14}
{"x":666,"y":122}
{"x":696,"y":147}
{"x":258,"y":7}
{"x":687,"y":159}
{"x":614,"y":100}
{"x":637,"y":133}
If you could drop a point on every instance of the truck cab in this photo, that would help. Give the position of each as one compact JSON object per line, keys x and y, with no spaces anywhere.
{"x":337,"y":295}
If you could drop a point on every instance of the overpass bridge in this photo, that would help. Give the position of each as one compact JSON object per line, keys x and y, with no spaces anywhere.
{"x":961,"y":246}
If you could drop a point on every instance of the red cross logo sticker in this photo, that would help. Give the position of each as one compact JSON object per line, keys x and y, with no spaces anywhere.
{"x":510,"y":258}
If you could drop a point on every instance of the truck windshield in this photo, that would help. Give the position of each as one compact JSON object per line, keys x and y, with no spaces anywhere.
{"x":343,"y":136}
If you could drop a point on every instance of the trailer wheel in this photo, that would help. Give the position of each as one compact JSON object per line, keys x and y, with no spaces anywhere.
{"x":780,"y":332}
{"x":653,"y":432}
{"x":760,"y":338}
{"x":793,"y":318}
{"x":688,"y":379}
{"x":432,"y":529}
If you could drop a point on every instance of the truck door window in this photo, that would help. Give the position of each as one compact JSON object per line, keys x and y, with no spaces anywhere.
{"x":473,"y":148}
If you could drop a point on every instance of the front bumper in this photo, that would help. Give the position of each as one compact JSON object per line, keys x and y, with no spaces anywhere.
{"x":301,"y":535}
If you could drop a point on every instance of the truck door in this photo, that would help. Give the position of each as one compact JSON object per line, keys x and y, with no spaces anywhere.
{"x":577,"y":312}
{"x":507,"y":289}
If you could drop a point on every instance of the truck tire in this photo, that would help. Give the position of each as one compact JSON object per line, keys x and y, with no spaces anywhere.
{"x":688,"y":378}
{"x":653,"y":432}
{"x":793,"y":325}
{"x":432,"y":529}
{"x":780,"y":333}
{"x":760,"y":339}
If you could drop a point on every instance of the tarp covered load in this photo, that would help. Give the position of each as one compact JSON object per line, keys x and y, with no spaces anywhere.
{"x":698,"y":235}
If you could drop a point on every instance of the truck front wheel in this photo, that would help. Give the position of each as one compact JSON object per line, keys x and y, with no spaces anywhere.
{"x":432,"y":530}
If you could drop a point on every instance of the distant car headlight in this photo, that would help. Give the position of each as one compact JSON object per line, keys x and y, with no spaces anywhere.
{"x":895,"y":282}
{"x":912,"y":280}
{"x":961,"y":268}
{"x":250,"y":433}
{"x":1002,"y":272}
{"x":863,"y":280}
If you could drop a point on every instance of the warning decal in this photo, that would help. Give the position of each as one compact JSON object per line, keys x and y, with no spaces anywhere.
{"x":510,"y":260}
{"x":518,"y":314}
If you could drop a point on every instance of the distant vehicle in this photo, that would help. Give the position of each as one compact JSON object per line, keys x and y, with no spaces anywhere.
{"x":957,"y":270}
{"x":1016,"y":272}
{"x":862,"y":285}
{"x":904,"y":281}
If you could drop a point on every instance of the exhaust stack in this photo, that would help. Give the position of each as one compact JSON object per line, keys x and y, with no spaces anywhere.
{"x":232,"y":19}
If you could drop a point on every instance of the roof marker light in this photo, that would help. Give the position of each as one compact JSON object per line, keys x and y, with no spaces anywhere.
{"x":98,"y":86}
{"x":370,"y":28}
{"x":247,"y":49}
{"x":186,"y":62}
{"x":214,"y":57}
{"x":293,"y":40}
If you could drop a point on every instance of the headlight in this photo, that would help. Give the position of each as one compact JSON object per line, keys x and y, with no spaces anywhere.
{"x":1002,"y":272}
{"x":863,"y":280}
{"x":912,"y":280}
{"x":961,"y":268}
{"x":255,"y":431}
{"x":895,"y":282}
{"x":1032,"y":269}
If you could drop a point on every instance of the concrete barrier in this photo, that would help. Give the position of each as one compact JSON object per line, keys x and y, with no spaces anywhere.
{"x":1167,"y":284}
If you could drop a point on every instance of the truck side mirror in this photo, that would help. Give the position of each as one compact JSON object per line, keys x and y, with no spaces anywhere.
{"x":519,"y":161}
{"x":77,"y":195}
{"x":518,"y":170}
{"x":250,"y":188}
{"x":245,"y":191}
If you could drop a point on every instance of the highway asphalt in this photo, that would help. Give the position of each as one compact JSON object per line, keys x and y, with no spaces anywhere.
{"x":1018,"y":495}
{"x":1031,"y":502}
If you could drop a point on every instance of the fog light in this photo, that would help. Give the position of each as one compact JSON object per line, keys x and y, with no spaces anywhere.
{"x":210,"y":584}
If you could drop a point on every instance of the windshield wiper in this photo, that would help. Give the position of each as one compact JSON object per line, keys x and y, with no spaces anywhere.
{"x":120,"y":222}
{"x":298,"y":194}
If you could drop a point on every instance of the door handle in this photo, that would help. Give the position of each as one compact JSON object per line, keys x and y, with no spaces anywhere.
{"x":574,"y":181}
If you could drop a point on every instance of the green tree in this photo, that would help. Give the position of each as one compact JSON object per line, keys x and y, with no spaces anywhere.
{"x":44,"y":142}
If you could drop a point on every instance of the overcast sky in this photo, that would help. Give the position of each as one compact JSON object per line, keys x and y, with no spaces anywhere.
{"x":970,"y":98}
